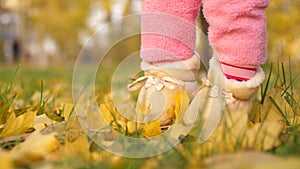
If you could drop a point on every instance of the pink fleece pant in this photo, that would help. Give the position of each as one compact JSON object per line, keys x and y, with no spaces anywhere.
{"x":237,"y":31}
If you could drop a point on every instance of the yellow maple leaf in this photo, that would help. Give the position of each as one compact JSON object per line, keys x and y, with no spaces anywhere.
{"x":18,"y":125}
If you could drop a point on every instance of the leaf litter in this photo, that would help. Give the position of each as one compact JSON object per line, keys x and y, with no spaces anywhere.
{"x":56,"y":136}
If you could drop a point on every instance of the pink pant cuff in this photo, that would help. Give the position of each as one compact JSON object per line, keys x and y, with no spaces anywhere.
{"x":238,"y":72}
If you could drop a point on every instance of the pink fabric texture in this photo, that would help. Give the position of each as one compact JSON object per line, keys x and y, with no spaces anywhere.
{"x":168,"y":29}
{"x":237,"y":73}
{"x":237,"y":32}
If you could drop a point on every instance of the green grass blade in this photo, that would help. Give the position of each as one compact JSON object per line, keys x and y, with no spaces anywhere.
{"x":290,"y":70}
{"x":11,"y":80}
{"x":277,"y":77}
{"x":280,"y":111}
{"x":41,"y":107}
{"x":267,"y":85}
{"x":290,"y":85}
{"x":283,"y":75}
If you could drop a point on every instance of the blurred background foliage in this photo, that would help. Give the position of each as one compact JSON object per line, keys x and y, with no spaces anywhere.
{"x":283,"y":25}
{"x":52,"y":32}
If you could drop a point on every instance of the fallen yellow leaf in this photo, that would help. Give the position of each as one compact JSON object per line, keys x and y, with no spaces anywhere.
{"x":77,"y":149}
{"x":106,"y":114}
{"x":18,"y":125}
{"x":234,"y":134}
{"x":68,"y":108}
{"x":263,"y":136}
{"x":152,"y":129}
{"x":133,"y":126}
{"x":42,"y":121}
{"x":182,"y":101}
{"x":76,"y":144}
{"x":6,"y":160}
{"x":35,"y":147}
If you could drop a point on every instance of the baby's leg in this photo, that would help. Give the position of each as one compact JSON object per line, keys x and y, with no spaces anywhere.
{"x":168,"y":41}
{"x":237,"y":33}
{"x":168,"y":33}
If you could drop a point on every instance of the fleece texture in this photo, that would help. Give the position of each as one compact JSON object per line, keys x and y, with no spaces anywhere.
{"x":242,"y":90}
{"x":168,"y":30}
{"x":237,"y":32}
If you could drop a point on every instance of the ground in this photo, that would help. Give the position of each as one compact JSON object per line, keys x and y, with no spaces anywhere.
{"x":38,"y":130}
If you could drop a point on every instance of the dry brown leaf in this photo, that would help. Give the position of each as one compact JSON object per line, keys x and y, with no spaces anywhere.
{"x":18,"y":125}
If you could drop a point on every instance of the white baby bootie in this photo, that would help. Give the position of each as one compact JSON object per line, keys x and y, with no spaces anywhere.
{"x":218,"y":95}
{"x":160,"y":83}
